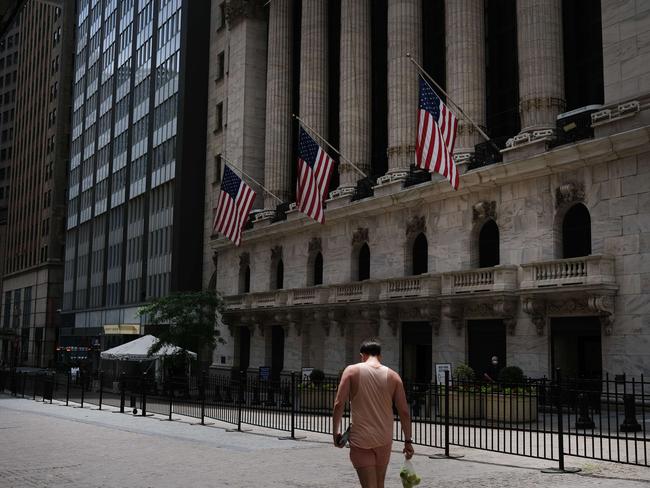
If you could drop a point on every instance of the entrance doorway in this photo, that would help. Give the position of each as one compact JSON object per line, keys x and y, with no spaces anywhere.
{"x":576,"y":347}
{"x":485,"y":339}
{"x":277,"y":351}
{"x":416,"y":352}
{"x":244,"y":348}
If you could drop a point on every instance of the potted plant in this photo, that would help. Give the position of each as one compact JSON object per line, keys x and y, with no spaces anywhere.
{"x":511,"y":400}
{"x":315,"y":393}
{"x":465,"y":401}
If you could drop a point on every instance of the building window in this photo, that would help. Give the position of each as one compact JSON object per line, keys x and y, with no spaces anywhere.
{"x":583,"y":53}
{"x":278,"y":283}
{"x":218,"y":118}
{"x":6,"y":322}
{"x":576,"y":232}
{"x":244,"y":273}
{"x":317,"y":268}
{"x":221,"y":65}
{"x":420,"y":255}
{"x":488,"y":245}
{"x":363,"y":260}
{"x":221,"y":21}
{"x":217,"y":169}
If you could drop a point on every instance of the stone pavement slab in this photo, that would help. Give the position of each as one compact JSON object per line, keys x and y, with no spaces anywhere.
{"x":44,"y":445}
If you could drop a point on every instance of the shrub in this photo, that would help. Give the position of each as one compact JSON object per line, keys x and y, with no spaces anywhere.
{"x":463,"y":372}
{"x":511,"y":375}
{"x":317,"y":377}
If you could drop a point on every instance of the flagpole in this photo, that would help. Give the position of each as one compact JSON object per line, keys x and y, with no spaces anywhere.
{"x":346,"y":160}
{"x":480,"y":131}
{"x":251,"y":178}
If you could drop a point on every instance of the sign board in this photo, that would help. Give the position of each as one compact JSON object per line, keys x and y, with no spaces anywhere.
{"x":440,"y":372}
{"x":306,"y":373}
{"x":265,"y":373}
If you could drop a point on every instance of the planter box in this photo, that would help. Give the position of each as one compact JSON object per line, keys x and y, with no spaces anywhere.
{"x":463,"y":405}
{"x":511,"y":408}
{"x":315,"y":399}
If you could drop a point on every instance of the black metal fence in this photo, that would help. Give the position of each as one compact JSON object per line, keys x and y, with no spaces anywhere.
{"x":548,"y":419}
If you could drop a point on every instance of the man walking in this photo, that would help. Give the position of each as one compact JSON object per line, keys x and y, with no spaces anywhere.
{"x":372,"y":389}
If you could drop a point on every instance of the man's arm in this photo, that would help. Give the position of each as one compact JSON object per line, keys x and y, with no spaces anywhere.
{"x":342,"y":395}
{"x":399,"y":397}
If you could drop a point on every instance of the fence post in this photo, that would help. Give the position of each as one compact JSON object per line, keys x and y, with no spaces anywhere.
{"x":293,"y":405}
{"x":446,"y":413}
{"x":24,"y":376}
{"x":101,"y":388}
{"x":122,"y":392}
{"x":82,"y":378}
{"x":34,"y":387}
{"x":203,"y":379}
{"x":171,"y":398}
{"x":67,"y":389}
{"x":144,"y":393}
{"x":240,"y":396}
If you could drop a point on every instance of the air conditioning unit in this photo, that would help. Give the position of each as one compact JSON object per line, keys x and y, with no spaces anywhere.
{"x":575,"y":125}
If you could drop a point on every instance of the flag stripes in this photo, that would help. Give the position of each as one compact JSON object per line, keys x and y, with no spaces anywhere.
{"x":314,"y":173}
{"x":235,"y":201}
{"x":436,"y":137}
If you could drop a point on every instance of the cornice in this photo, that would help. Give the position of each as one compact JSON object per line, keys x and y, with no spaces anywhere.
{"x":564,"y":158}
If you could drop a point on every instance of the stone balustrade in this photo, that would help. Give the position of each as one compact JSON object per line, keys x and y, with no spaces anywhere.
{"x":588,"y":270}
{"x":495,"y":279}
{"x":308,"y":296}
{"x":354,"y":292}
{"x":411,"y":286}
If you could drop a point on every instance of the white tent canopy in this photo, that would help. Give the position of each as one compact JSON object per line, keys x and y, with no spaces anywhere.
{"x":138,"y":349}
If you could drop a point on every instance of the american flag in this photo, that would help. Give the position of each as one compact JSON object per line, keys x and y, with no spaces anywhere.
{"x":314,"y":172}
{"x":235,"y":201}
{"x":437,"y":126}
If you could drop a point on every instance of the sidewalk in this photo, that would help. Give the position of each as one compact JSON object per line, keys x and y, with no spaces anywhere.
{"x":44,"y":445}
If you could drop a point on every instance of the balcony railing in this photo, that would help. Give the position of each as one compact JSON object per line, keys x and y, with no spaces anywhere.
{"x":588,"y":270}
{"x":495,"y":279}
{"x":413,"y":286}
{"x":308,"y":296}
{"x":354,"y":292}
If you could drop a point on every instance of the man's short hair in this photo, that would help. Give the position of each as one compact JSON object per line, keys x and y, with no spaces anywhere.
{"x":372,"y":347}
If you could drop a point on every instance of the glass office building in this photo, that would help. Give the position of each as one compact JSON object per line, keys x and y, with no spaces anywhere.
{"x":137,"y":161}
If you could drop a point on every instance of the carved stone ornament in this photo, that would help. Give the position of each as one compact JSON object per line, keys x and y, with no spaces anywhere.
{"x":360,"y":236}
{"x":537,"y":310}
{"x":504,"y":309}
{"x":238,"y":10}
{"x":484,"y":210}
{"x":599,"y":305}
{"x":276,"y":253}
{"x":315,"y":245}
{"x":389,"y":315}
{"x":215,"y":259}
{"x":244,"y":259}
{"x":454,"y":312}
{"x":569,"y":193}
{"x":417,"y":225}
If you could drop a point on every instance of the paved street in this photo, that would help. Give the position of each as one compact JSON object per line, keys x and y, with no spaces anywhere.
{"x":44,"y":445}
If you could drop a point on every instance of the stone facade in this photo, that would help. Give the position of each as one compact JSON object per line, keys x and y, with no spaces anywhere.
{"x":532,"y":291}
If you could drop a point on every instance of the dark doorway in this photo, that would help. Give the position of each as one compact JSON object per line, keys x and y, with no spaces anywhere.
{"x":279,"y":275}
{"x":364,"y":263}
{"x":420,"y":255}
{"x":244,"y":348}
{"x":277,"y":351}
{"x":488,"y":245}
{"x":416,"y":352}
{"x":379,"y":120}
{"x":486,"y":338}
{"x":577,"y":347}
{"x":318,"y":269}
{"x":576,"y":232}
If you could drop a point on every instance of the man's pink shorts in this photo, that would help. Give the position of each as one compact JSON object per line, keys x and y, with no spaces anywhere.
{"x":365,"y":458}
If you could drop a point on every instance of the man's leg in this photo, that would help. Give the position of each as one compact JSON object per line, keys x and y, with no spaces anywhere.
{"x":368,"y":477}
{"x":381,"y":475}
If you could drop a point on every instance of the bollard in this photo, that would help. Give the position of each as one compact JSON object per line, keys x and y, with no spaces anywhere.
{"x":584,"y":421}
{"x":82,"y":379}
{"x":240,"y":396}
{"x":630,"y":423}
{"x":293,"y":405}
{"x":144,"y":394}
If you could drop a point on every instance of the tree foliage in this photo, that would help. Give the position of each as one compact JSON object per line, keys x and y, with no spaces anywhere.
{"x":187,"y":320}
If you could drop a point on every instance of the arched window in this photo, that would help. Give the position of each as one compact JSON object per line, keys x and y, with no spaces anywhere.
{"x":576,"y":232}
{"x":279,"y":275}
{"x":488,"y":245}
{"x":364,"y":263}
{"x":246,"y":279}
{"x":420,"y":255}
{"x":318,"y":269}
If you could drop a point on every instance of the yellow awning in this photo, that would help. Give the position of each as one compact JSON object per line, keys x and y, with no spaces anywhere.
{"x":124,"y":329}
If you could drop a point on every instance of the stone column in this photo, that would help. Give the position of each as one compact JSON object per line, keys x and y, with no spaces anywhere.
{"x":277,"y":153}
{"x":541,"y":71}
{"x":404,"y":36}
{"x":355,"y":111}
{"x":465,"y":31}
{"x":313,"y":65}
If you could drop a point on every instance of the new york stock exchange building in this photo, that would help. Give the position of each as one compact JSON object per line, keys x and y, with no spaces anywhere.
{"x":541,"y":257}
